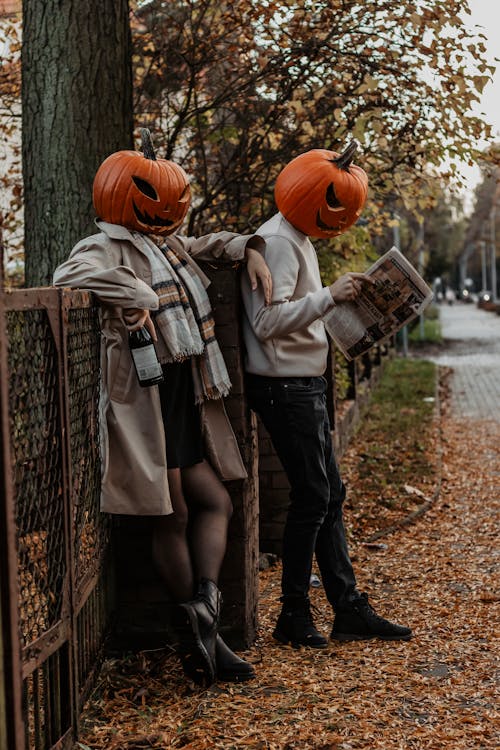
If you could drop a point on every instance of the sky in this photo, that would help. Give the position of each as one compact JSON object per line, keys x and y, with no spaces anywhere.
{"x":486,"y":14}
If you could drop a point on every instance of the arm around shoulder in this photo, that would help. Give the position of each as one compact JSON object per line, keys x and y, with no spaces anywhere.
{"x":220,"y":245}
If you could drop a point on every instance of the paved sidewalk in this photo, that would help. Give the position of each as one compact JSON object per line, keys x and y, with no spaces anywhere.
{"x":472,"y":350}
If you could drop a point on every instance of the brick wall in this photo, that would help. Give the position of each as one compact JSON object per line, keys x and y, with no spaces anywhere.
{"x":142,"y":613}
{"x":239,"y":577}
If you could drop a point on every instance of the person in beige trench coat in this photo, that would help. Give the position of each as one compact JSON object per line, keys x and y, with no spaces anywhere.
{"x":190,"y":504}
{"x":113,"y":266}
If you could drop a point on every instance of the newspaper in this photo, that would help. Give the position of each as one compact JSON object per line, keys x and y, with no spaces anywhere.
{"x":397,"y":297}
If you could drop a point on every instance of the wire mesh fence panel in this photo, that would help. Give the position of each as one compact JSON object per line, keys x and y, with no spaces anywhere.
{"x":37,"y":474}
{"x":92,"y":624}
{"x":91,"y":529}
{"x":51,"y":339}
{"x":47,"y":709}
{"x":35,"y":424}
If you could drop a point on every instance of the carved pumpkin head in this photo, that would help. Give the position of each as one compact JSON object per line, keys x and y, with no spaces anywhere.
{"x":322,"y":193}
{"x":141,"y":192}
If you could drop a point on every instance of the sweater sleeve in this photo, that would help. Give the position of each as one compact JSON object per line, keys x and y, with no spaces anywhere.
{"x":285,"y":315}
{"x":90,"y":267}
{"x":220,"y":245}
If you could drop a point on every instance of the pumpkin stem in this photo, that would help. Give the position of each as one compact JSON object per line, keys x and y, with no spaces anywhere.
{"x":147,"y":145}
{"x":347,"y":155}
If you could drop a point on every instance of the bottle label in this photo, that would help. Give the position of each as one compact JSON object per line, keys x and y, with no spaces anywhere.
{"x":146,"y":362}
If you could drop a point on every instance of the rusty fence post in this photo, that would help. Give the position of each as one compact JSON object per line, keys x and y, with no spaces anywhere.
{"x":11,"y":712}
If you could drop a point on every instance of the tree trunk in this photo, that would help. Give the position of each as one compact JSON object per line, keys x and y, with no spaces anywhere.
{"x":77,"y":109}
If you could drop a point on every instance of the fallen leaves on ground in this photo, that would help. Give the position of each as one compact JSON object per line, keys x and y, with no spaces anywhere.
{"x":436,"y":692}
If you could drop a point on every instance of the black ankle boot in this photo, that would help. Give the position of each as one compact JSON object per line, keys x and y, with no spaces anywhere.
{"x":295,"y":624}
{"x":358,"y":621}
{"x":196,"y":623}
{"x":228,"y":666}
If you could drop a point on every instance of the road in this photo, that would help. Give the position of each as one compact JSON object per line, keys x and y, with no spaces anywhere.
{"x":472,"y":349}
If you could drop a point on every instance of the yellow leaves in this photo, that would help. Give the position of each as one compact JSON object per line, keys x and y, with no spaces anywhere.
{"x":480,"y":82}
{"x":273,"y":140}
{"x":338,"y":114}
{"x":426,"y":50}
{"x":308,"y":128}
{"x":387,"y":73}
{"x":319,"y":93}
{"x":359,"y":128}
{"x":297,"y":106}
{"x":369,"y":84}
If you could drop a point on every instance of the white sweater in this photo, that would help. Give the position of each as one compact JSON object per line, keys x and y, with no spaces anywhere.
{"x":287,"y":338}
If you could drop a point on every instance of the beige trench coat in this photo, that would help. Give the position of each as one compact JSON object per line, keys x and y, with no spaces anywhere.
{"x":113,"y":266}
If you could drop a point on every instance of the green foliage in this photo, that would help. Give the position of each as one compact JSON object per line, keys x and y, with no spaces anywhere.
{"x":397,"y":425}
{"x":405,"y":383}
{"x":352,"y":251}
{"x":342,"y":379}
{"x":431,"y":333}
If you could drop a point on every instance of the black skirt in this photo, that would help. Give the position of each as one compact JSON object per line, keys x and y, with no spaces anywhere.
{"x":181,"y":416}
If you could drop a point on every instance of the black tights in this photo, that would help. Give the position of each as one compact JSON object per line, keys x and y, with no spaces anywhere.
{"x":190,"y":543}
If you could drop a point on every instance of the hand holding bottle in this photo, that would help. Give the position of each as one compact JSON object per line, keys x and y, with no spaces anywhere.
{"x":136,"y":318}
{"x":142,"y":334}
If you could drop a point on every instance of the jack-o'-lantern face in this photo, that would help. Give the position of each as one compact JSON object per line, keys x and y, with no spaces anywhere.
{"x":322,"y":193}
{"x":141,"y":192}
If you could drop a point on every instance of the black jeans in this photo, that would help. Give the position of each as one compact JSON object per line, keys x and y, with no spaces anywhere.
{"x":293,"y":410}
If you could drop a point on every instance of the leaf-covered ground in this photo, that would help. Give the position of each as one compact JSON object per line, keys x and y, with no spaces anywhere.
{"x":438,"y":574}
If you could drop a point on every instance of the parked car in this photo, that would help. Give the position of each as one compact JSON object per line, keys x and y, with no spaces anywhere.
{"x":484,"y":296}
{"x":467,"y":296}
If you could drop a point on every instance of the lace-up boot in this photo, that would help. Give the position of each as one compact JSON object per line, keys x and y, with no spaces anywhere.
{"x":359,"y":621}
{"x":295,"y":624}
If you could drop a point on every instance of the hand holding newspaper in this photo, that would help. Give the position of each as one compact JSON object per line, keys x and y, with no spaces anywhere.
{"x":397,"y":297}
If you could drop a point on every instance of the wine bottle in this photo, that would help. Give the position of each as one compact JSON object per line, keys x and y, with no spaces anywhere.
{"x":142,"y":349}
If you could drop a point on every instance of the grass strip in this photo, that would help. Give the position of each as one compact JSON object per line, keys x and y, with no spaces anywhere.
{"x":391,"y":465}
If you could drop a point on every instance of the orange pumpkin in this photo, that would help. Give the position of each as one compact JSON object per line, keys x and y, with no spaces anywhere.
{"x":322,"y":193}
{"x":141,"y":192}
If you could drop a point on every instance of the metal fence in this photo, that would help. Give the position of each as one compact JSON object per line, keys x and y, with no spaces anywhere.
{"x":54,"y":579}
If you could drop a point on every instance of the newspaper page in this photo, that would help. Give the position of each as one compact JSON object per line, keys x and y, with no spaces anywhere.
{"x":397,"y":297}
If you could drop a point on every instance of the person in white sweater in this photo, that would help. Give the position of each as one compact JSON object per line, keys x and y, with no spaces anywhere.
{"x":286,"y":356}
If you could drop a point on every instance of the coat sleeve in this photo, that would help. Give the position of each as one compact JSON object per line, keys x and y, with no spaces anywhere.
{"x":221,"y":245}
{"x":91,"y":266}
{"x":285,"y":315}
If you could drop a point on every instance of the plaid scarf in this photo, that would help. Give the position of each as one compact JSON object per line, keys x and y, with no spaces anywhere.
{"x":185,"y":321}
